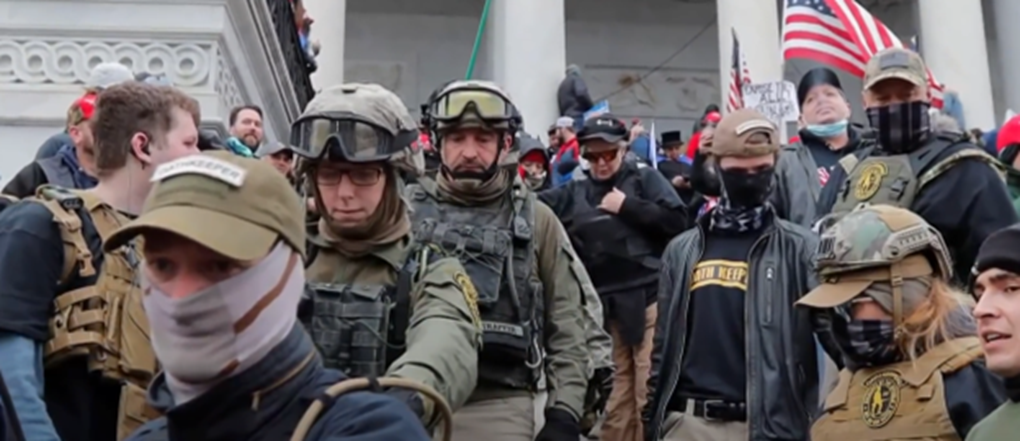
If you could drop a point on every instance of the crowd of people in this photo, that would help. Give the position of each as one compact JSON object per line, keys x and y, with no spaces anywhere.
{"x":376,"y":277}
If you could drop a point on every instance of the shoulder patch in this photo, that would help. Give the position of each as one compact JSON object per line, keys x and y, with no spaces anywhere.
{"x":202,"y":165}
{"x":470,"y":296}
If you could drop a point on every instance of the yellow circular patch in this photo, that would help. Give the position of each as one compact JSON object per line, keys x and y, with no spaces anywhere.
{"x":881,"y":399}
{"x":870,"y":181}
{"x":470,"y":296}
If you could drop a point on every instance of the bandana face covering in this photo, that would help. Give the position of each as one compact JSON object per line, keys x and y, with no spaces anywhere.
{"x":901,"y":127}
{"x":228,"y":327}
{"x":869,"y":342}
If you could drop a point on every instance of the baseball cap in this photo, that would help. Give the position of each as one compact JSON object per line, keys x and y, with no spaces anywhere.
{"x":734,"y":131}
{"x":81,"y":109}
{"x":236,"y":206}
{"x":838,"y":289}
{"x":1009,"y":134}
{"x":564,"y":122}
{"x":272,"y":148}
{"x":108,"y":74}
{"x":605,"y":127}
{"x":900,"y":63}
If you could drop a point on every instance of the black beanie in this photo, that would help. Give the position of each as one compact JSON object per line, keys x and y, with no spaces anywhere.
{"x":1000,"y":250}
{"x":815,"y":77}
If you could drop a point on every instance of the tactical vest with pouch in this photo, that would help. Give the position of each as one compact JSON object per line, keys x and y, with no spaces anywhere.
{"x":496,"y":246}
{"x":897,"y":179}
{"x":617,"y":256}
{"x":361,"y":329}
{"x":897,"y":402}
{"x":106,"y":321}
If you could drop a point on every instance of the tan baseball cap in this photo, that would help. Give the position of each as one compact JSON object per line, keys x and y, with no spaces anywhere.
{"x":732,"y":135}
{"x":900,"y":63}
{"x":236,"y":206}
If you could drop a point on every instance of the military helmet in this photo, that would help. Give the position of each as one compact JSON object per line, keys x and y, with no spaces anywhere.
{"x":359,"y":123}
{"x":875,"y":236}
{"x":472,"y":103}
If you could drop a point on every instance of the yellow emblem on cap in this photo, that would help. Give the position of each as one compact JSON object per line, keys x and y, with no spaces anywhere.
{"x":881,"y":399}
{"x":470,"y":296}
{"x":870,"y":181}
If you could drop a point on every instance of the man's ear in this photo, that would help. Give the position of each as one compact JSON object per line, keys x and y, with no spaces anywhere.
{"x":140,"y":148}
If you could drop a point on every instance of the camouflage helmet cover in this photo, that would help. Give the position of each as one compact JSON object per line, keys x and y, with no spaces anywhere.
{"x":879,"y":236}
{"x":375,"y":104}
{"x":470,"y":119}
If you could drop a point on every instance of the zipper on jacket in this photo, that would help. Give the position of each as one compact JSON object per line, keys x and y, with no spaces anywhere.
{"x":769,"y":282}
{"x":674,"y":379}
{"x":749,"y":354}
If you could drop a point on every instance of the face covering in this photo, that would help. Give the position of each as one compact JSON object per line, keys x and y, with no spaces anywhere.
{"x":746,"y":190}
{"x":870,"y":342}
{"x":901,"y":127}
{"x":196,"y":338}
{"x":828,"y":130}
{"x":534,"y":180}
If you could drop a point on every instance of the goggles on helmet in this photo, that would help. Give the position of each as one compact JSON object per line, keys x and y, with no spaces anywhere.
{"x":485,"y":104}
{"x":346,"y":136}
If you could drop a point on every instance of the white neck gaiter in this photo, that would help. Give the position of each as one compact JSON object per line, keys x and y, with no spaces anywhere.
{"x":226,"y":328}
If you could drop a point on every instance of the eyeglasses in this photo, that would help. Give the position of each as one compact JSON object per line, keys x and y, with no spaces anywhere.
{"x":605,"y":156}
{"x":361,"y":177}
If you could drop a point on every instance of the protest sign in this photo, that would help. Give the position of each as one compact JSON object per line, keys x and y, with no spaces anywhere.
{"x":776,"y":100}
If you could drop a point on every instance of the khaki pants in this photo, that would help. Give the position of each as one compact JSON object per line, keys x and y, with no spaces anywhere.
{"x":687,"y":427}
{"x":630,"y":384}
{"x":501,"y":419}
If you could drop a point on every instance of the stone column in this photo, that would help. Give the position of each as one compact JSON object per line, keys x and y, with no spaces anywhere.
{"x":959,"y":59}
{"x":1007,"y":34}
{"x":757,"y":26}
{"x":329,"y":28}
{"x":528,"y":49}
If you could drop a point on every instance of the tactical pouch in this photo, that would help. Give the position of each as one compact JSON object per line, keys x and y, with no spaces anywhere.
{"x":482,"y":249}
{"x":134,"y":411}
{"x":349,"y":325}
{"x":505,"y":342}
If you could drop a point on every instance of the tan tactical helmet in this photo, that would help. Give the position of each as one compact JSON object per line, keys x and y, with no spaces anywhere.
{"x":473,"y":103}
{"x":874,"y":236}
{"x":372,"y":123}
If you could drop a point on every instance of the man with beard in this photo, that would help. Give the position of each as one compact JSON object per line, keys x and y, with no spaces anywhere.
{"x":733,"y":360}
{"x":953,"y":184}
{"x":619,"y":221}
{"x":518,"y":256}
{"x":71,"y":166}
{"x":806,"y":166}
{"x":245,"y":130}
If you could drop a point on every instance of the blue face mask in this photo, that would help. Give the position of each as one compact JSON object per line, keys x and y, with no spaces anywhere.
{"x":828,"y":130}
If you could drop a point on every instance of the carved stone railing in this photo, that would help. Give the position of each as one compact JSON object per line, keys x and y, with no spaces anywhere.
{"x":294,"y":57}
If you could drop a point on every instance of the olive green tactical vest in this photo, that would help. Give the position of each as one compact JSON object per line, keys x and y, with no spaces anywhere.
{"x":896,"y":180}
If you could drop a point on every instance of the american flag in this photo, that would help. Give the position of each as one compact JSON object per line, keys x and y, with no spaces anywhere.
{"x":841,"y":33}
{"x":739,"y":76}
{"x":823,"y":175}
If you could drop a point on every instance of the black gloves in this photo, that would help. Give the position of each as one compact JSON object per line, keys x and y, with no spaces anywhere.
{"x":560,"y":425}
{"x":408,"y":397}
{"x":602,"y":382}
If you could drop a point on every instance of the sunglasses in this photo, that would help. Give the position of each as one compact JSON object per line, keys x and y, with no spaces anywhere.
{"x":606,"y":156}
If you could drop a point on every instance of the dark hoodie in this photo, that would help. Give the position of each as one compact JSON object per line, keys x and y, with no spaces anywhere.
{"x":250,"y":407}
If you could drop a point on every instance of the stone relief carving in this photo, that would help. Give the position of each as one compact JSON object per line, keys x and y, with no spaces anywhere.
{"x":37,"y":61}
{"x":665,"y":93}
{"x":226,"y":86}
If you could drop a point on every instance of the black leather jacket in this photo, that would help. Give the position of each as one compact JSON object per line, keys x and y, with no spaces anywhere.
{"x":782,"y":371}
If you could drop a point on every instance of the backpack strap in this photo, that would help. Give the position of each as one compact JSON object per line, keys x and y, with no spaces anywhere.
{"x":66,"y":209}
{"x":415,"y":265}
{"x":940,"y":167}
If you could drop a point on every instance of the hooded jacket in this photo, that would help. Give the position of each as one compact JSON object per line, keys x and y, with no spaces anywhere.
{"x":572,"y":96}
{"x":251,"y":406}
{"x":530,"y":145}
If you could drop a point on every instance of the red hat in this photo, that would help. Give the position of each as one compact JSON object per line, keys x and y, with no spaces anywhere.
{"x":1009,"y":134}
{"x":713,"y":117}
{"x":82,"y":109}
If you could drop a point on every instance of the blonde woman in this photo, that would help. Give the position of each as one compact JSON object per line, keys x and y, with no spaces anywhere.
{"x":913,"y":363}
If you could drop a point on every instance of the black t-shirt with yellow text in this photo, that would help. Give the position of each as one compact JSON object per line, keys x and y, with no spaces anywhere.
{"x":714,"y":362}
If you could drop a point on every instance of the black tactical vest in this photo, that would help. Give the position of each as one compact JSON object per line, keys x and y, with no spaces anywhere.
{"x":360,"y":329}
{"x":496,"y":247}
{"x":617,"y":256}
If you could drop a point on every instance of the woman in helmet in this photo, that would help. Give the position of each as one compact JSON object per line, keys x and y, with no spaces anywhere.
{"x":381,"y":305}
{"x":913,"y":361}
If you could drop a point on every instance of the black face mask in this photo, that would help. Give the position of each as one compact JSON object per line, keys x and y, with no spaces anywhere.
{"x":744,"y":189}
{"x":901,"y":127}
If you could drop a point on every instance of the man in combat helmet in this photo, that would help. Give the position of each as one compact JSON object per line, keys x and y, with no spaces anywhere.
{"x":519,"y":258}
{"x":914,"y":367}
{"x":380,"y":303}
